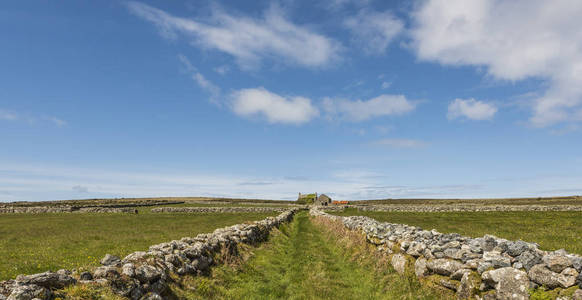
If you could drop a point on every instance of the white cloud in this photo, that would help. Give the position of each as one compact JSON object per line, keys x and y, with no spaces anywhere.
{"x":386,"y":84}
{"x":471,"y":109}
{"x":514,"y":40}
{"x":400,"y":143}
{"x":359,"y":110}
{"x":273,"y":107}
{"x":248,"y":40}
{"x":374,"y":31}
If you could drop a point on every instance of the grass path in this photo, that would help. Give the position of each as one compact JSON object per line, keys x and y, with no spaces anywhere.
{"x":303,"y":263}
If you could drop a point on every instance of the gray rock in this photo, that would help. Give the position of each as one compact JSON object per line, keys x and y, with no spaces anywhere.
{"x":516,"y":248}
{"x":152,"y":296}
{"x":111,"y":260}
{"x":557,"y":261}
{"x":135,"y":256}
{"x":28,"y":292}
{"x":147,"y":273}
{"x":569,"y":272}
{"x":496,"y":259}
{"x":577,"y":295}
{"x":541,"y":275}
{"x":489,"y":242}
{"x":105,"y":272}
{"x":128,"y":270}
{"x":577,"y":263}
{"x":453,"y":253}
{"x":518,"y":265}
{"x":202,"y":263}
{"x":416,"y":249}
{"x":123,"y":287}
{"x":444,"y":266}
{"x":509,"y":283}
{"x":469,"y":286}
{"x":86,"y":276}
{"x":484,"y":266}
{"x":399,"y":263}
{"x":420,"y":268}
{"x":529,"y":259}
{"x":457,"y":275}
{"x":48,"y":280}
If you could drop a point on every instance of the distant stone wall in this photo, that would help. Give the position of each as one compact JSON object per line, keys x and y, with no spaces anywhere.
{"x":467,"y":208}
{"x":474,"y":268}
{"x":146,"y":275}
{"x":65,"y":209}
{"x":332,"y":208}
{"x":218,"y":209}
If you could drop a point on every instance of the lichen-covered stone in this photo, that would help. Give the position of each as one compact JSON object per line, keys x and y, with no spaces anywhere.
{"x":111,"y":260}
{"x":541,"y":275}
{"x":469,"y":286}
{"x":49,"y":280}
{"x":420,"y":268}
{"x":399,"y":263}
{"x":557,"y":261}
{"x":509,"y":283}
{"x":444,"y":266}
{"x":28,"y":292}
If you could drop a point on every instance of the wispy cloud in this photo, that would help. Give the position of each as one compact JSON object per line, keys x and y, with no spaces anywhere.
{"x":361,"y":110}
{"x":7,"y":115}
{"x":471,"y":109}
{"x":399,"y":143}
{"x":273,"y":107}
{"x":247,"y":39}
{"x":201,"y":81}
{"x":373,"y":31}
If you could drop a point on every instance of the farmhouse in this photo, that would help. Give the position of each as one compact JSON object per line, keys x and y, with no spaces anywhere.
{"x":323,"y":199}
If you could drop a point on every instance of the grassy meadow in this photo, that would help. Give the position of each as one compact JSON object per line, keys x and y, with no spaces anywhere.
{"x":552,"y":230}
{"x":32,"y":243}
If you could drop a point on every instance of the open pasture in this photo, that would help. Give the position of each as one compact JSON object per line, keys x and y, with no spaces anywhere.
{"x":33,"y":243}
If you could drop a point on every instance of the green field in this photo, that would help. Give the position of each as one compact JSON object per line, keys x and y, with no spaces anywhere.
{"x":306,"y":260}
{"x":32,"y":243}
{"x":552,"y":230}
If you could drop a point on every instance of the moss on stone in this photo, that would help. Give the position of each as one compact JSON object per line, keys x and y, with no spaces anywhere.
{"x":542,"y":294}
{"x":440,"y":282}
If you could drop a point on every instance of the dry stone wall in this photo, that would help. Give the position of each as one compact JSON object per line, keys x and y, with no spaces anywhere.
{"x":146,"y":275}
{"x":217,"y":209}
{"x":65,"y":209}
{"x":467,"y":208}
{"x":474,"y":268}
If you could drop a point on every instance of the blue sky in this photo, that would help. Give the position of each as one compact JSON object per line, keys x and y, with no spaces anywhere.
{"x":264,"y":99}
